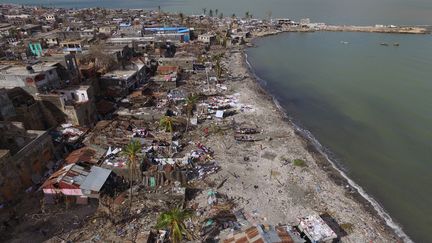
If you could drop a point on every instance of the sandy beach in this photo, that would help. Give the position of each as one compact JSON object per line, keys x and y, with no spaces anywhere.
{"x":261,"y":180}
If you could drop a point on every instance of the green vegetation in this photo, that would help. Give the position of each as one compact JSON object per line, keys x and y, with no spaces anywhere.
{"x":299,"y":163}
{"x":131,"y":151}
{"x":167,"y":123}
{"x":348,"y":227}
{"x":191,"y":101}
{"x":174,"y":220}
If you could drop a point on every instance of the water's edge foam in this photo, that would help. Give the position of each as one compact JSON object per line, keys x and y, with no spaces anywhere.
{"x":309,"y":136}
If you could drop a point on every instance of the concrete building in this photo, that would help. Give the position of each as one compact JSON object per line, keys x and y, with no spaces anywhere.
{"x":50,"y":17}
{"x":167,"y":77}
{"x":172,"y":34}
{"x":119,"y":83}
{"x":7,"y":110}
{"x":107,"y":30}
{"x":30,"y":29}
{"x":74,"y":46}
{"x":26,"y":109}
{"x":24,"y":157}
{"x":76,"y":103}
{"x":207,"y":38}
{"x":33,"y":79}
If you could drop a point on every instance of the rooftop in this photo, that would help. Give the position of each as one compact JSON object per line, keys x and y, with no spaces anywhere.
{"x":120,"y":74}
{"x":22,"y":70}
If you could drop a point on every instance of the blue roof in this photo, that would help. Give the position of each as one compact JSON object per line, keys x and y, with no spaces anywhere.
{"x":179,"y":29}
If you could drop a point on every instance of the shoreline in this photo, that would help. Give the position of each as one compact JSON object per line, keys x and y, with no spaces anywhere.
{"x":324,"y":161}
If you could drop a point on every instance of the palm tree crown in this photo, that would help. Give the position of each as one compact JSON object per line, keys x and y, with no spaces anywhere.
{"x":168,"y":123}
{"x":174,"y":220}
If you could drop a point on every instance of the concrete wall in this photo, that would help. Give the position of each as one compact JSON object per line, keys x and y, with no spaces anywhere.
{"x":7,"y":109}
{"x":18,"y":171}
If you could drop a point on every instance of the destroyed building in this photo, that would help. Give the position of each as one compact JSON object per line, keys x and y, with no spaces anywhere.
{"x":77,"y":103}
{"x":76,"y":183}
{"x":18,"y":105}
{"x":25,"y":156}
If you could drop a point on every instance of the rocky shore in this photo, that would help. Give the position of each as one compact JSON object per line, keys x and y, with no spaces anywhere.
{"x":262,"y":179}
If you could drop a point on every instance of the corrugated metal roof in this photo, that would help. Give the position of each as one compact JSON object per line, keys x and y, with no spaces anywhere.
{"x":96,"y":179}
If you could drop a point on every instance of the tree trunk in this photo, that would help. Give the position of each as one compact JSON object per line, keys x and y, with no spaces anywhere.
{"x":188,"y":121}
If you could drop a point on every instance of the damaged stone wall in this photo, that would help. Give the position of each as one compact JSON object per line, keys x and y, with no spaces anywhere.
{"x":22,"y":169}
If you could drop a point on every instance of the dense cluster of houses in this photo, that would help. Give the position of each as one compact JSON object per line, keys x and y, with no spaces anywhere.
{"x":77,"y":86}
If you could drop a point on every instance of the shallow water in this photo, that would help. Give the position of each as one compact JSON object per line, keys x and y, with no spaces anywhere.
{"x":371,"y":105}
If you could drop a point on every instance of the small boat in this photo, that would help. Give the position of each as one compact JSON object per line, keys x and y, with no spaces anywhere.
{"x":246,"y":130}
{"x":246,"y":138}
{"x":344,"y":42}
{"x":384,"y":44}
{"x":395,"y":44}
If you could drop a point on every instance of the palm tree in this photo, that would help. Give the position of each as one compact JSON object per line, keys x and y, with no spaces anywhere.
{"x":204,"y":10}
{"x":174,"y":220}
{"x":131,"y":151}
{"x":233,"y":16}
{"x":216,"y":12}
{"x":221,"y":15}
{"x":211,"y":12}
{"x":247,"y":14}
{"x":167,"y":123}
{"x":218,"y":66}
{"x":191,"y":101}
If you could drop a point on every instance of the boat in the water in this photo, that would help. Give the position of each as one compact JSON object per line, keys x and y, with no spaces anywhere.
{"x":395,"y":44}
{"x":384,"y":44}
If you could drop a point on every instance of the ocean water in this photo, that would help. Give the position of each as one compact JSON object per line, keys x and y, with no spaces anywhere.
{"x":369,"y":105}
{"x":400,"y":12}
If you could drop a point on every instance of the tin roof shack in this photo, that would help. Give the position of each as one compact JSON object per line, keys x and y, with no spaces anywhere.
{"x":25,"y":157}
{"x":33,"y":79}
{"x":76,"y":183}
{"x":76,"y":102}
{"x":316,"y":229}
{"x":167,"y":77}
{"x":120,"y":83}
{"x":84,"y":154}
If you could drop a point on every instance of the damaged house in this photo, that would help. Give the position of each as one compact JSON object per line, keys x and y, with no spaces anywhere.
{"x":77,"y":183}
{"x":167,"y":77}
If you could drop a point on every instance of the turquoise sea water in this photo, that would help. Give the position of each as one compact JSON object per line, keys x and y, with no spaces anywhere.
{"x":370,"y":105}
